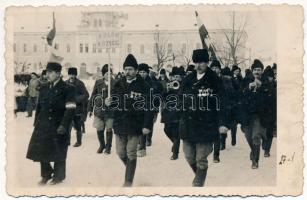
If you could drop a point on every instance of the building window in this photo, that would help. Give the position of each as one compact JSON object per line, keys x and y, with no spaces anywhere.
{"x":184,"y":48}
{"x":95,"y":23}
{"x":142,"y":49}
{"x":68,"y":48}
{"x":198,"y":45}
{"x":94,"y":48}
{"x":107,"y":50}
{"x":99,"y":50}
{"x":86,"y":48}
{"x":14,"y":47}
{"x":129,"y":48}
{"x":113,"y":50}
{"x":100,"y":23}
{"x":57,"y":46}
{"x":24,"y":47}
{"x":169,"y":48}
{"x":81,"y":48}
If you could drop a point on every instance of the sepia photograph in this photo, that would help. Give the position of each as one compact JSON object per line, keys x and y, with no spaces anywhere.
{"x":164,"y":99}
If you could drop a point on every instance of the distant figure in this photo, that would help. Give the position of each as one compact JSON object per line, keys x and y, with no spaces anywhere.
{"x":81,"y":98}
{"x":32,"y":93}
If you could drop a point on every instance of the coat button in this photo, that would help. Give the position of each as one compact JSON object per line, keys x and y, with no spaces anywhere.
{"x":50,"y":110}
{"x":50,"y":118}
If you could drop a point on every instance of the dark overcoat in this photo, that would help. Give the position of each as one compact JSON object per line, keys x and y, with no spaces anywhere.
{"x":56,"y":106}
{"x":81,"y":95}
{"x":131,"y":107}
{"x":200,"y":122}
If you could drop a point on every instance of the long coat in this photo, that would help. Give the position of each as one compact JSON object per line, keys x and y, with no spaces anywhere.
{"x":199,"y":124}
{"x":81,"y":95}
{"x":56,"y":106}
{"x":131,"y":112}
{"x":261,"y":102}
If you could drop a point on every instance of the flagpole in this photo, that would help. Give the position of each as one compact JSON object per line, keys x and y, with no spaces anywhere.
{"x":109,"y":73}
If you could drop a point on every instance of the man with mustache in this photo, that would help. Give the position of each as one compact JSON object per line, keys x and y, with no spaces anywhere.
{"x":203,"y":117}
{"x":132,"y":117}
{"x":256,"y":96}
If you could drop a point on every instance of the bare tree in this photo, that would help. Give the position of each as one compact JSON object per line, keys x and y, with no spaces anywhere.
{"x":234,"y":40}
{"x":184,"y":53}
{"x":161,"y":50}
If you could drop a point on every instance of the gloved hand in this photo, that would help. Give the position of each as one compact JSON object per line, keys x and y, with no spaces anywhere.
{"x":61,"y":130}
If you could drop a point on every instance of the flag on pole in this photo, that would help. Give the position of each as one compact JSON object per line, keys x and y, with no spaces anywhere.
{"x":204,"y":37}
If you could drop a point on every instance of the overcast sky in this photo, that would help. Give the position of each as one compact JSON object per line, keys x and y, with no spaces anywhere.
{"x":260,"y":27}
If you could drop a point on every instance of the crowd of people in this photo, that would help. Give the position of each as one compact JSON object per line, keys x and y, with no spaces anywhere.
{"x":198,"y":104}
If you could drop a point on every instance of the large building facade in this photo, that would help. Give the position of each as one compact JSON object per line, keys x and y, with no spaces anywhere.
{"x":81,"y":47}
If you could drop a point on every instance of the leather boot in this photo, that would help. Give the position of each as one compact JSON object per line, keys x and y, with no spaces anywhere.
{"x":223,"y":141}
{"x":130,"y":170}
{"x":102,"y":145}
{"x":79,"y":139}
{"x":193,"y":167}
{"x":109,"y":137}
{"x":200,"y":177}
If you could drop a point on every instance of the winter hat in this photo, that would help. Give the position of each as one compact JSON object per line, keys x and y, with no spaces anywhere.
{"x":105,"y":69}
{"x":190,"y":68}
{"x":226,"y":71}
{"x":162,"y":71}
{"x":234,"y":68}
{"x":268,"y":72}
{"x":144,"y":67}
{"x":257,"y":64}
{"x":215,"y":63}
{"x":200,"y":55}
{"x":72,"y":71}
{"x":130,"y":61}
{"x":53,"y":66}
{"x":44,"y":72}
{"x":35,"y":74}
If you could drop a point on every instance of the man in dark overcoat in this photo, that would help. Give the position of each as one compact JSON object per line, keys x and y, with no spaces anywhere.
{"x":256,"y":99}
{"x":81,"y":97}
{"x":203,"y":117}
{"x":132,"y":117}
{"x":54,"y":113}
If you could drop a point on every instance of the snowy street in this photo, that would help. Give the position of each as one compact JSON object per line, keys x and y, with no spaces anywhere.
{"x":86,"y":168}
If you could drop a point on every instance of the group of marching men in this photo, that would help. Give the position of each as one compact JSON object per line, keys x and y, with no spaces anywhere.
{"x":198,"y":105}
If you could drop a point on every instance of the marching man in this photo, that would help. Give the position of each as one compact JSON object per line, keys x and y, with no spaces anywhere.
{"x":203,"y":117}
{"x":131,"y":116}
{"x":54,"y":113}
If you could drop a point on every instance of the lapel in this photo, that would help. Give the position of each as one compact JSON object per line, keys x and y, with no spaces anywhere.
{"x":56,"y":90}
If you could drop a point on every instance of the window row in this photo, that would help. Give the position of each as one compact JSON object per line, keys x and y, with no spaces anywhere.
{"x":95,"y":48}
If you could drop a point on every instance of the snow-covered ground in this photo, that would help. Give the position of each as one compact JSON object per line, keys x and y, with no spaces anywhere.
{"x":86,"y":168}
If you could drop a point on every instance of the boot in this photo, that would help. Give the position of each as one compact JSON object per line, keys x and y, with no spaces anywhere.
{"x":267,"y":153}
{"x":124,"y":160}
{"x":174,"y":156}
{"x":102,"y":145}
{"x":223,"y":141}
{"x":79,"y":139}
{"x":234,"y":136}
{"x":216,"y":158}
{"x":254,"y":164}
{"x":193,"y":167}
{"x":200,"y":177}
{"x":130,"y":170}
{"x":256,"y":154}
{"x":109,"y":142}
